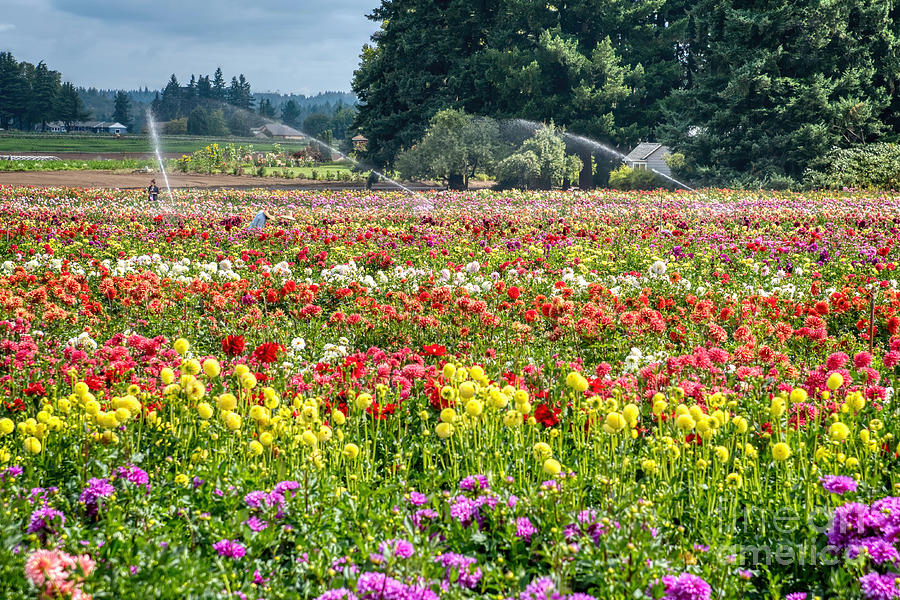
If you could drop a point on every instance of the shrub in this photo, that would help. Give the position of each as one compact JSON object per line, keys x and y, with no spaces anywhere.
{"x":519,"y":171}
{"x":872,"y":166}
{"x":626,"y":178}
{"x":176,"y":127}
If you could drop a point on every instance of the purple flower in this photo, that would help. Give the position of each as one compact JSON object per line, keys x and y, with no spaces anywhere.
{"x":42,"y":521}
{"x":838,"y":484}
{"x":398,"y":547}
{"x":879,"y":587}
{"x":849,"y":523}
{"x":587,"y":516}
{"x":257,"y":499}
{"x":135,"y":475}
{"x":539,"y":589}
{"x":13,"y":471}
{"x":878,"y":549}
{"x":338,"y":594}
{"x":417,"y":498}
{"x":256,"y":524}
{"x":420,"y":515}
{"x":96,"y":489}
{"x":686,"y":587}
{"x":524,"y":529}
{"x":465,"y":576}
{"x":285,"y":486}
{"x":796,"y":596}
{"x":462,"y":509}
{"x":885,"y":515}
{"x":474,"y":482}
{"x":229,"y":548}
{"x":378,"y":586}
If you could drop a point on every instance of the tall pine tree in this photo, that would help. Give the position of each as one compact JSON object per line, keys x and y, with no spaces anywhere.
{"x":776,"y":84}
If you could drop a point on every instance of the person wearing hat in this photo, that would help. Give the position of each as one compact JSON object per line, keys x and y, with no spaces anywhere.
{"x":152,"y":191}
{"x":264,"y":216}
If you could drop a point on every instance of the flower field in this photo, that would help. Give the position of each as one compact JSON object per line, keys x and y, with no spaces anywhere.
{"x":513,"y":395}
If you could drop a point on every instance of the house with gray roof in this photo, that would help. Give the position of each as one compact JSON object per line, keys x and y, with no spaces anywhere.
{"x":277,"y":130}
{"x":649,"y":155}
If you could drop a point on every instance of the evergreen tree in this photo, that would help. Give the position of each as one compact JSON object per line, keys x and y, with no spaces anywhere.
{"x":170,"y":102}
{"x":233,"y":95}
{"x":198,"y":122}
{"x":15,"y":91}
{"x":239,"y":93}
{"x":266,"y":109}
{"x":247,"y":100}
{"x":773,"y":89}
{"x":290,"y":113}
{"x":122,"y":111}
{"x":218,"y":86}
{"x":500,"y":58}
{"x":204,"y":88}
{"x":70,"y":108}
{"x":45,"y":91}
{"x":421,"y":61}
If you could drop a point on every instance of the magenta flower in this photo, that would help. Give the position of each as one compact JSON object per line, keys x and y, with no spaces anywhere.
{"x":838,"y":484}
{"x":229,"y":548}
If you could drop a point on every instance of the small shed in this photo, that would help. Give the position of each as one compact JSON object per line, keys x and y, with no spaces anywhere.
{"x":359,"y":142}
{"x":649,"y":155}
{"x":278,"y":130}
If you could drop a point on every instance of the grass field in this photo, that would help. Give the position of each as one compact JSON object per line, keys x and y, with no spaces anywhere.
{"x":55,"y":143}
{"x":76,"y":165}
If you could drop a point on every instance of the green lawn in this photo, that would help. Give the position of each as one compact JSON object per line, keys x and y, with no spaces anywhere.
{"x":53,"y":143}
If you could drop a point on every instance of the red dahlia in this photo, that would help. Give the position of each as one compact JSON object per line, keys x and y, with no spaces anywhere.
{"x":233,"y":345}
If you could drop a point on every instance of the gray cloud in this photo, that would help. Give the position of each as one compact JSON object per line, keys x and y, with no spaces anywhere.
{"x":288,"y":45}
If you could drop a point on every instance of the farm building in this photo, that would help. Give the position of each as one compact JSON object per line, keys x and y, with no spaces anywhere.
{"x":649,"y":155}
{"x":277,"y":130}
{"x":87,"y":126}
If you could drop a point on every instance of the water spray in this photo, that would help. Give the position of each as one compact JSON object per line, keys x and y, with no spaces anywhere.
{"x":162,"y":167}
{"x":602,"y":147}
{"x":425,"y":205}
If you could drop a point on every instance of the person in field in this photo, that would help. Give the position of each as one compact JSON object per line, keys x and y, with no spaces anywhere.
{"x":152,"y":191}
{"x":264,"y":216}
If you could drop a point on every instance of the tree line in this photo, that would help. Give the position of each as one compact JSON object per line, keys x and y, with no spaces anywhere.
{"x":32,"y":95}
{"x":749,"y":92}
{"x":207,"y":106}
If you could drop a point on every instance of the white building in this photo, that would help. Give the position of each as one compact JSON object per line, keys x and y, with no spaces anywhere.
{"x":115,"y":128}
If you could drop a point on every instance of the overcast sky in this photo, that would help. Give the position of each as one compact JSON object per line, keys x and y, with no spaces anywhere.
{"x":300,"y":46}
